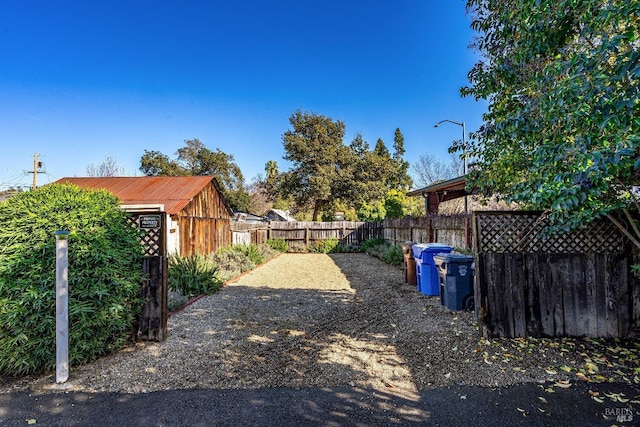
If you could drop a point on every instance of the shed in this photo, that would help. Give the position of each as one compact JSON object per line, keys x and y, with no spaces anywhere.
{"x":456,"y":228}
{"x":197,"y":216}
{"x":441,"y":191}
{"x":279,"y":215}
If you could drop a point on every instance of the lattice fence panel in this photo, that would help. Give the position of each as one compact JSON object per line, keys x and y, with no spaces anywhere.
{"x":508,"y":232}
{"x":151,"y":238}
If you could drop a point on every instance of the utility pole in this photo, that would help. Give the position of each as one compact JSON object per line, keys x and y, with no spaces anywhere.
{"x":36,"y":170}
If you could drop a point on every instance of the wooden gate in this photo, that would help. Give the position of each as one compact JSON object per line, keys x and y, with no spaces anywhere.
{"x":531,"y":283}
{"x":152,"y":323}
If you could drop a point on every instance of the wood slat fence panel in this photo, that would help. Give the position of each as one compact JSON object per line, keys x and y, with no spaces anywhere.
{"x":452,"y":230}
{"x":301,"y":235}
{"x":531,"y":283}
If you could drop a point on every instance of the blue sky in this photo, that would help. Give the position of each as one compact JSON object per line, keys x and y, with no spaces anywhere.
{"x":80,"y":81}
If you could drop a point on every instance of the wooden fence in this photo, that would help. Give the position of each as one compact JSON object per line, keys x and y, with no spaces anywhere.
{"x":530,"y":283}
{"x":245,"y":234}
{"x":452,"y":230}
{"x":301,"y":235}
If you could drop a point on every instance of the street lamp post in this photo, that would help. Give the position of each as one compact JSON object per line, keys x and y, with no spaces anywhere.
{"x":464,"y":147}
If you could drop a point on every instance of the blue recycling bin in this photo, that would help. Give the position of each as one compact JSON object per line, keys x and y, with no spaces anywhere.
{"x":455,"y":276}
{"x":426,"y":271}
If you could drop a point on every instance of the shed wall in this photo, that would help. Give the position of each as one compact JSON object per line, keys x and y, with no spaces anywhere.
{"x":204,"y":225}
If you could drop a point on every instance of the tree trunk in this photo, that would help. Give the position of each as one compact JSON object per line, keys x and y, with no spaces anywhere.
{"x":316,"y":211}
{"x":317,"y":207}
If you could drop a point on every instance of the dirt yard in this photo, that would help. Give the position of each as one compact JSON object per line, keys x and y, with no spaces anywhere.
{"x":306,"y":320}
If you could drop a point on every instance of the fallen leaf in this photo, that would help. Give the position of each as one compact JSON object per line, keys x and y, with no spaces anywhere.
{"x":565,"y":368}
{"x":582,"y":376}
{"x":542,"y":399}
{"x":550,"y":371}
{"x":594,"y":393}
{"x":562,"y":385}
{"x":540,"y":409}
{"x":31,"y":421}
{"x":597,"y":399}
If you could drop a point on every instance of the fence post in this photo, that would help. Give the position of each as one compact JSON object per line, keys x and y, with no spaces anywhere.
{"x":62,"y":307}
{"x":306,"y":237}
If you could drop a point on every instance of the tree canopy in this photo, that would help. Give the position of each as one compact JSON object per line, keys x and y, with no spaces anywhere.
{"x":562,"y":131}
{"x":326,"y":173}
{"x":196,"y":159}
{"x":318,"y":156}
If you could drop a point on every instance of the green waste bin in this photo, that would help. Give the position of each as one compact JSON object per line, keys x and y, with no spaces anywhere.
{"x":455,"y":274}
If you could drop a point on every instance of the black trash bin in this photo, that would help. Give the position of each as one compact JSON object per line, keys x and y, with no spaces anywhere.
{"x":455,"y":274}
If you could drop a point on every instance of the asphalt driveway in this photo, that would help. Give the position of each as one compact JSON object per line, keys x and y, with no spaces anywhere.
{"x":338,"y":406}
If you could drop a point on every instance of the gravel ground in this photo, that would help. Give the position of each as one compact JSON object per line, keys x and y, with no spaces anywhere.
{"x":310,"y":320}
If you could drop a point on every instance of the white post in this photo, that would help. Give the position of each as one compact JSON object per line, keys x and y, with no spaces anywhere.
{"x":62,"y":307}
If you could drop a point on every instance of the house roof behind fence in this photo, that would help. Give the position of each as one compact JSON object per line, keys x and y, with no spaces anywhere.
{"x":457,"y":183}
{"x":174,"y":192}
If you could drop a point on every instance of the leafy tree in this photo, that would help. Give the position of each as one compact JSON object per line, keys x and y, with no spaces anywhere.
{"x":154,"y":163}
{"x":108,"y":167}
{"x":400,"y":179}
{"x":372,"y":212}
{"x":105,"y":276}
{"x":326,"y":173}
{"x":368,"y":174}
{"x":315,"y":149}
{"x":196,"y":159}
{"x":381,"y":150}
{"x":562,"y":131}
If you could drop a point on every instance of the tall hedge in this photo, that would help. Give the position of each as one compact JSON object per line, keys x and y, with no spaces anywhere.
{"x":104,"y":276}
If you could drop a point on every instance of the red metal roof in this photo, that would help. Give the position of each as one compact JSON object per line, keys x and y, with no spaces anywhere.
{"x":174,"y":192}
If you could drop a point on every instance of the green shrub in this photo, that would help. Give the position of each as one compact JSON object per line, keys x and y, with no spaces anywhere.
{"x":393,"y":255}
{"x":231,"y":263}
{"x":268,"y":252}
{"x":378,"y":250}
{"x":350,"y":248}
{"x":370,"y":243}
{"x":279,"y":245}
{"x":250,"y":251}
{"x":104,"y":276}
{"x":327,"y":246}
{"x":193,"y":275}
